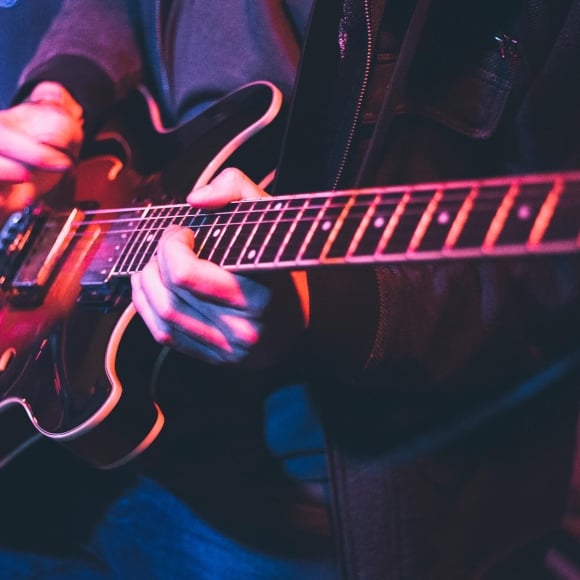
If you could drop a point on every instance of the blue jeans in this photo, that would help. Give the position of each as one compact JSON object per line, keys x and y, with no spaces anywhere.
{"x":149,"y":533}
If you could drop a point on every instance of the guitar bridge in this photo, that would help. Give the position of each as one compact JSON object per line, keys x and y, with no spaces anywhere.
{"x":43,"y":250}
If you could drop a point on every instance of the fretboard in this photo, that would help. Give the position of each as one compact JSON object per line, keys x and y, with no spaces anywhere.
{"x":457,"y":220}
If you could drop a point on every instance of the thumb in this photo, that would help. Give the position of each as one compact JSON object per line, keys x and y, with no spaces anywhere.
{"x":229,"y":185}
{"x":177,"y":236}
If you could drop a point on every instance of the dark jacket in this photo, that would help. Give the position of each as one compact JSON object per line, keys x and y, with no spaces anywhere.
{"x":442,"y":458}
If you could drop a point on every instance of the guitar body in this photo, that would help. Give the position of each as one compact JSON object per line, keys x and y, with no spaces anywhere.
{"x":58,"y":376}
{"x":77,"y":364}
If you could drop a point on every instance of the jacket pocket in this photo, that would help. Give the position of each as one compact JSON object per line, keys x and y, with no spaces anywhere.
{"x":467,"y":93}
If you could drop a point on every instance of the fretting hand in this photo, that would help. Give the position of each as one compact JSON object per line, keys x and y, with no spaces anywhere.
{"x":207,"y":312}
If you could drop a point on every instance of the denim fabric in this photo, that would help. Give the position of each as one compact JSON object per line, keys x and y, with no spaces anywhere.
{"x":148,"y":533}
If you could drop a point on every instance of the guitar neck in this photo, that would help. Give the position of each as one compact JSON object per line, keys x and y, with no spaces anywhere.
{"x":456,"y":220}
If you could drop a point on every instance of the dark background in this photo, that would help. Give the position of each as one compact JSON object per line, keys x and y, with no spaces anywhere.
{"x":22,"y":23}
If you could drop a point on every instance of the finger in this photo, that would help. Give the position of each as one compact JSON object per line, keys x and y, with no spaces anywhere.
{"x":16,"y":196}
{"x":13,"y":172}
{"x":245,"y":332}
{"x":229,"y":185}
{"x":162,"y":313}
{"x":189,"y":335}
{"x":235,"y":353}
{"x":183,"y":271}
{"x":28,"y":150}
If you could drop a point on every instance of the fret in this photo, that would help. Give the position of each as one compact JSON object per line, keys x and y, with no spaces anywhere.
{"x":363,"y":226}
{"x":322,"y":227}
{"x":404,"y":222}
{"x":113,"y":242}
{"x":500,"y":217}
{"x":546,"y":228}
{"x":445,"y":217}
{"x":146,"y":232}
{"x":245,"y":250}
{"x":225,"y":241}
{"x":206,"y":228}
{"x":142,"y":235}
{"x":160,"y":225}
{"x":133,"y":228}
{"x":336,"y":228}
{"x":150,"y":233}
{"x":300,"y":232}
{"x":483,"y":206}
{"x":425,"y":221}
{"x":564,"y":223}
{"x":212,"y":230}
{"x":274,"y":217}
{"x":291,"y":217}
{"x":384,"y":210}
{"x":458,"y":224}
{"x":520,"y":220}
{"x":351,"y":225}
{"x":271,"y":213}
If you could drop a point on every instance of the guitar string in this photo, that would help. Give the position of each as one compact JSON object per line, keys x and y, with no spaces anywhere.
{"x":416,"y":204}
{"x":148,"y":236}
{"x":410,"y":215}
{"x":235,"y":254}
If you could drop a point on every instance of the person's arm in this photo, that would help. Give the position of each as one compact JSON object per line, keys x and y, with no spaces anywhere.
{"x":40,"y":139}
{"x":87,"y":61}
{"x":90,"y":49}
{"x":211,"y":314}
{"x":431,"y":328}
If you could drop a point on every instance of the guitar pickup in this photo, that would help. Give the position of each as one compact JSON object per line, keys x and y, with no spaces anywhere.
{"x":31,"y":280}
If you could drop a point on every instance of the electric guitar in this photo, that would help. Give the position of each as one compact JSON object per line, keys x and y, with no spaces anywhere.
{"x":67,"y":368}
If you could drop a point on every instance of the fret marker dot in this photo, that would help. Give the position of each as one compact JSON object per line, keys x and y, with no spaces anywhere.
{"x":379,"y":222}
{"x":326,"y":225}
{"x":524,"y":212}
{"x":150,"y":237}
{"x":216,"y":233}
{"x":251,"y":254}
{"x":443,"y":218}
{"x":279,"y":205}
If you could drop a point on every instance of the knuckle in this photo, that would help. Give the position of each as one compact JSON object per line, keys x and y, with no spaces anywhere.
{"x":167,"y":312}
{"x":230,"y":357}
{"x":231,"y":175}
{"x":179,"y":276}
{"x":163,"y":336}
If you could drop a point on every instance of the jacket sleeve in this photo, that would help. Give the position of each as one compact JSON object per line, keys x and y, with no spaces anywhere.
{"x":446,"y":325}
{"x":90,"y":49}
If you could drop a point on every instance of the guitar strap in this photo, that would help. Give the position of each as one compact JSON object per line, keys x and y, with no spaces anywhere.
{"x":302,"y":143}
{"x":300,"y":167}
{"x":393,"y":94}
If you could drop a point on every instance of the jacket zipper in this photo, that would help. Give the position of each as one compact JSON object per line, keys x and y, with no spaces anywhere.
{"x":363,"y":88}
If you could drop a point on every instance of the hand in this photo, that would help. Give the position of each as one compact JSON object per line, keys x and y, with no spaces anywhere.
{"x":39,"y":139}
{"x":205,"y":311}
